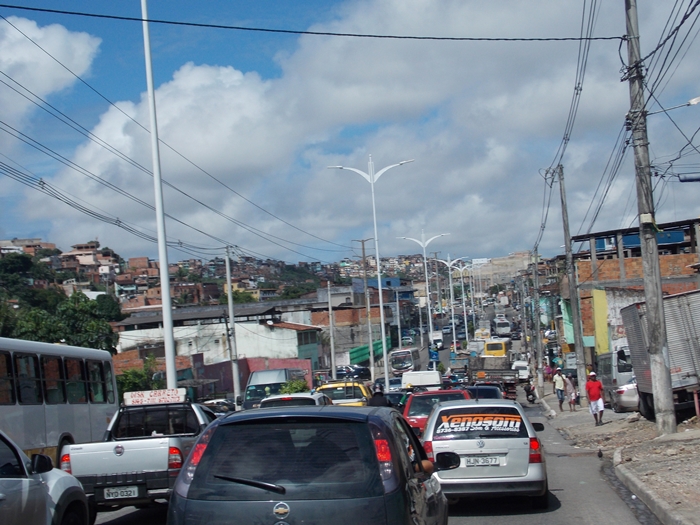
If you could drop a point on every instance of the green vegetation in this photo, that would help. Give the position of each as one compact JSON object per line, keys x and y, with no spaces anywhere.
{"x":294,"y":386}
{"x":137,"y":379}
{"x":46,"y":314}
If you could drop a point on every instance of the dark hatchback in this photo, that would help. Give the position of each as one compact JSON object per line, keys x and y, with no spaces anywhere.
{"x":309,"y":465}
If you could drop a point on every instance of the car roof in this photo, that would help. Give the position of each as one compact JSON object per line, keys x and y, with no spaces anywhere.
{"x":481,"y":403}
{"x":296,"y":394}
{"x":433,"y":392}
{"x":342,"y":382}
{"x":355,"y":414}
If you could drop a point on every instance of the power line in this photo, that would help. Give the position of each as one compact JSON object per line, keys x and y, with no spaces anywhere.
{"x":313,"y":33}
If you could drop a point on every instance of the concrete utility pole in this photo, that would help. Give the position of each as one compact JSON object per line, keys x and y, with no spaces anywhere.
{"x":656,"y":322}
{"x":437,"y":280}
{"x":573,"y":288}
{"x":330,"y":329}
{"x":231,"y":331}
{"x":536,"y":325}
{"x":370,"y":346}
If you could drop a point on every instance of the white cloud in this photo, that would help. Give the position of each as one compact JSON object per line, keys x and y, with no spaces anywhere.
{"x":481,"y":120}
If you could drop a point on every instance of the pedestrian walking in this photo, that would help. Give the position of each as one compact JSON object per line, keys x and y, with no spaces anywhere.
{"x":570,"y":392}
{"x":547,"y":373}
{"x":559,"y":388}
{"x":596,"y":398}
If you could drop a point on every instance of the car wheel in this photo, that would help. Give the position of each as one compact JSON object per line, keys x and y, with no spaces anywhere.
{"x":541,"y":502}
{"x":73,"y":516}
{"x":616,"y":407}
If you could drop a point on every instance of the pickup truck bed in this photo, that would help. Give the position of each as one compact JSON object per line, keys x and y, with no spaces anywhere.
{"x":141,"y":455}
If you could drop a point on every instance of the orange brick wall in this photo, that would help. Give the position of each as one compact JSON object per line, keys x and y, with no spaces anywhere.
{"x":130,"y":359}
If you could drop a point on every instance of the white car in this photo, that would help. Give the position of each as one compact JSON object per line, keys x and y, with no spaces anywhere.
{"x":296,"y":400}
{"x":498,"y":448}
{"x":32,"y":492}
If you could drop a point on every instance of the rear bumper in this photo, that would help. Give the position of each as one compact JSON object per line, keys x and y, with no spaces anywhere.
{"x":534,"y":484}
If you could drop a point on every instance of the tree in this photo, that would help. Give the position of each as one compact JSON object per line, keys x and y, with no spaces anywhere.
{"x":294,"y":386}
{"x":238,"y":298}
{"x":137,"y":379}
{"x":84,"y":323}
{"x":108,"y":308}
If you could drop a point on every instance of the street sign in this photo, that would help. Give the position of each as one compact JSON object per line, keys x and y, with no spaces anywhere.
{"x":480,"y":261}
{"x":433,"y":355}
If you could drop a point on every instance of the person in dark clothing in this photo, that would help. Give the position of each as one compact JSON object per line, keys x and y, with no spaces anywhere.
{"x":378,"y":399}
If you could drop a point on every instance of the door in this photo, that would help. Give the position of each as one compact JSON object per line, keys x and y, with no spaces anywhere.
{"x":426,"y":501}
{"x":22,"y":497}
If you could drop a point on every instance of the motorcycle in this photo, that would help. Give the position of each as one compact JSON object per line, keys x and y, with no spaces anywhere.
{"x":530,"y":393}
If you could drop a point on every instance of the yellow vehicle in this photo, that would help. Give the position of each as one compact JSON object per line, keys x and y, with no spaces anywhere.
{"x":497,"y":347}
{"x":346,"y":393}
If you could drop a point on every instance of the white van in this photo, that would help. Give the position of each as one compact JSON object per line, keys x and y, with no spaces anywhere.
{"x":430,"y":379}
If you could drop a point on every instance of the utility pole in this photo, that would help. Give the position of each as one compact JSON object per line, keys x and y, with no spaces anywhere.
{"x":653,"y":294}
{"x":536,"y":325}
{"x":573,"y":287}
{"x":370,"y":344}
{"x":231,"y":331}
{"x":330,"y":328}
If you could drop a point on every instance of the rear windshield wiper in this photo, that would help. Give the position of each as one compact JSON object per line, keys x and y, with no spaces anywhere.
{"x":279,"y":489}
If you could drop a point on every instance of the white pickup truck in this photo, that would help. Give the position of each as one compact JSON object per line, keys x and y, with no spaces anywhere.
{"x":142,"y":451}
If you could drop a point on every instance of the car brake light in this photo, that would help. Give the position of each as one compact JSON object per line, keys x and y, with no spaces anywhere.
{"x":428,"y":447}
{"x":196,"y":455}
{"x":383,"y":450}
{"x":620,"y":391}
{"x":65,"y":463}
{"x":174,"y":458}
{"x":535,"y":451}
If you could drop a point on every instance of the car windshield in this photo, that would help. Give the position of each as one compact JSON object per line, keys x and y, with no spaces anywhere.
{"x":474,"y":422}
{"x":422,"y":405}
{"x":485,"y":392}
{"x":255,"y":392}
{"x":401,"y":361}
{"x":310,"y":459}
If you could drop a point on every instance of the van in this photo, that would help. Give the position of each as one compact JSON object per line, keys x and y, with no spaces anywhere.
{"x":425,"y":378}
{"x":264,"y":383}
{"x":614,"y":369}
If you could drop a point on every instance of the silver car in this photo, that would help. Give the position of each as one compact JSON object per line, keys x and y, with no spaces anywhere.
{"x":32,"y":492}
{"x":625,"y":397}
{"x":500,"y":454}
{"x":296,"y":400}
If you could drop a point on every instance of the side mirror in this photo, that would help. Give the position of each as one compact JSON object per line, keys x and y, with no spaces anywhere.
{"x":539,"y":427}
{"x":239,"y":400}
{"x":41,"y":463}
{"x":447,"y":461}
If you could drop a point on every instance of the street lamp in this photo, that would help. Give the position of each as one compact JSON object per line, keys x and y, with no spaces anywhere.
{"x":450,"y":268}
{"x":371,"y":177}
{"x":691,"y":102}
{"x":464,"y":305}
{"x":423,"y":244}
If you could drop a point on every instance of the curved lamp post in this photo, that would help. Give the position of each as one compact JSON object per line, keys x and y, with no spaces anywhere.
{"x":423,"y":244}
{"x":371,"y":177}
{"x":450,"y":268}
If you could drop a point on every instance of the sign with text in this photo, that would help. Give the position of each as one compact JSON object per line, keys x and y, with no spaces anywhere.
{"x":155,"y":397}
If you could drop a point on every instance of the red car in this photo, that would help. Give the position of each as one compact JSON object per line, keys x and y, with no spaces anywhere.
{"x":419,"y":405}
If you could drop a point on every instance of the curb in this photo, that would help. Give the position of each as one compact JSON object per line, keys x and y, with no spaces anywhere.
{"x":661,"y":509}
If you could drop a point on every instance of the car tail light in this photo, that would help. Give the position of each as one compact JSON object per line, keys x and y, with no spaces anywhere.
{"x":620,"y":391}
{"x":535,"y":451}
{"x":65,"y":463}
{"x":196,"y":455}
{"x":174,"y":458}
{"x":428,"y":447}
{"x":383,"y":450}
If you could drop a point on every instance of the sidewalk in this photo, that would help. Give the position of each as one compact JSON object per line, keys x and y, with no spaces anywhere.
{"x":663,"y":472}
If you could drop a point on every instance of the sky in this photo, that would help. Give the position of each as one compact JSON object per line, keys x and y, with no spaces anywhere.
{"x":249,"y":122}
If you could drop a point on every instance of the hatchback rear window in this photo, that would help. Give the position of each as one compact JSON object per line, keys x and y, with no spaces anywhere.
{"x":476,"y":422}
{"x":290,"y":402}
{"x":422,"y":405}
{"x":311,"y":459}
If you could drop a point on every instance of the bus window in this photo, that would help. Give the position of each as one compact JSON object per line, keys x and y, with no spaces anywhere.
{"x":75,"y":381}
{"x":7,"y":382}
{"x":109,"y":382}
{"x":28,"y":379}
{"x":54,"y":382}
{"x":97,"y":387}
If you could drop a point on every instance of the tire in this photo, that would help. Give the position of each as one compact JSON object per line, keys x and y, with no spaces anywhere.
{"x":541,"y":502}
{"x":73,"y":516}
{"x":616,"y":407}
{"x":646,"y":406}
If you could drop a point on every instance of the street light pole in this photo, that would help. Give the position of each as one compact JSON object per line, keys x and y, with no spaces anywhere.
{"x":371,"y":177}
{"x":450,"y":268}
{"x":423,"y":244}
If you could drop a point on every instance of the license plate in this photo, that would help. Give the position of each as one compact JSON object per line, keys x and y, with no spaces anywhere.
{"x":481,"y":461}
{"x":122,"y":492}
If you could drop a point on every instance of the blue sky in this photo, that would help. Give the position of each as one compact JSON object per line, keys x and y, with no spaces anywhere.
{"x":252,"y":120}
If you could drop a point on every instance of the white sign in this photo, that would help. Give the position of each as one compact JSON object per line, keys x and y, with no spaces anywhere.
{"x":155,"y":397}
{"x":480,"y":262}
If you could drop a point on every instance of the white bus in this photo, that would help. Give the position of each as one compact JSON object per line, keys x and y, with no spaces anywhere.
{"x":52,"y":395}
{"x":404,"y":360}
